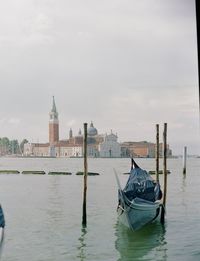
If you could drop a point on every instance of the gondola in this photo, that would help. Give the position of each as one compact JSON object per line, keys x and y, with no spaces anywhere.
{"x":140,"y":202}
{"x":2,"y":225}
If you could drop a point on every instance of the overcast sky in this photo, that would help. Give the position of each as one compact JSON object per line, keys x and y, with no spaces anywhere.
{"x":124,"y":64}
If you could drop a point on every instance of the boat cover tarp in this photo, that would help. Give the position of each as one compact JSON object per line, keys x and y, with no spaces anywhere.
{"x":2,"y":220}
{"x":141,"y":185}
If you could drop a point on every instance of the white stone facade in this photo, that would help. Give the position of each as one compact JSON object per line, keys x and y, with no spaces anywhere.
{"x":67,"y":151}
{"x":110,"y":148}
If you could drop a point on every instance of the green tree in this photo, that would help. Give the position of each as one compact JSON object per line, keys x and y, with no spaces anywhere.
{"x":14,"y":147}
{"x":24,"y":141}
{"x":4,"y":145}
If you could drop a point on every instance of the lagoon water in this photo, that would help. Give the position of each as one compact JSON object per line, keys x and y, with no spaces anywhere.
{"x":43,"y":213}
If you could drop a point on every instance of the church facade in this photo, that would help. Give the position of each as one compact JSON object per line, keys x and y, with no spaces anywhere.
{"x":110,"y":148}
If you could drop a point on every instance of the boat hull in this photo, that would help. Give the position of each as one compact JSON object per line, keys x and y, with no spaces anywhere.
{"x":138,"y":213}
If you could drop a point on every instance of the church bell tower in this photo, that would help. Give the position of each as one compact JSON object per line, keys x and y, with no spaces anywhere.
{"x":53,"y":125}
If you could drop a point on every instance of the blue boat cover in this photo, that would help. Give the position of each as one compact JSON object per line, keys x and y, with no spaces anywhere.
{"x":141,"y":185}
{"x":2,"y":220}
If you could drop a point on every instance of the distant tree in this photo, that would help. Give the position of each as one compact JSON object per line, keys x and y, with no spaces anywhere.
{"x":24,"y":141}
{"x":4,"y":145}
{"x":11,"y":146}
{"x":14,"y":147}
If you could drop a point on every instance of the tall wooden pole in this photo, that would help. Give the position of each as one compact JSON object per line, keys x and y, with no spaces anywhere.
{"x":157,"y":152}
{"x":84,"y":217}
{"x":184,"y":159}
{"x":165,"y":162}
{"x":162,"y":219}
{"x":198,"y":43}
{"x":164,"y":172}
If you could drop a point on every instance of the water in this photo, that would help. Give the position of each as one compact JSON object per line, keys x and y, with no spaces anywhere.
{"x":44,"y":213}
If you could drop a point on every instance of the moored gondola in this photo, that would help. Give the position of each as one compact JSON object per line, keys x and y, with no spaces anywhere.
{"x":140,"y":202}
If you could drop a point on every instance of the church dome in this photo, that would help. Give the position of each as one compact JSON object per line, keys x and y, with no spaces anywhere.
{"x":92,"y":131}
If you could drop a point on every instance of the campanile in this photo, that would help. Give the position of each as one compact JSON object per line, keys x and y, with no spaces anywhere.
{"x":53,"y":125}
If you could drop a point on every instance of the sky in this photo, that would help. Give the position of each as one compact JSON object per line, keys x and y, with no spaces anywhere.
{"x":126,"y":65}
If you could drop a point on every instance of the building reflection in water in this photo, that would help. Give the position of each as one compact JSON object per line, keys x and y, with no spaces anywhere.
{"x":55,"y":207}
{"x":146,"y":244}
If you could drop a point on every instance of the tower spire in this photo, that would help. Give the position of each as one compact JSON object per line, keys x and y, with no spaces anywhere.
{"x":53,"y":113}
{"x":54,"y":106}
{"x":70,"y":133}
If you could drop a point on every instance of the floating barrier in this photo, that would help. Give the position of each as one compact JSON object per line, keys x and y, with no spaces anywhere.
{"x":153,"y":172}
{"x":2,"y":171}
{"x":59,"y":173}
{"x":89,"y":173}
{"x":41,"y":172}
{"x":38,"y":172}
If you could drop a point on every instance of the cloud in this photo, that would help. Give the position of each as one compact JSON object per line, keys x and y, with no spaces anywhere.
{"x":14,"y":121}
{"x":11,"y":121}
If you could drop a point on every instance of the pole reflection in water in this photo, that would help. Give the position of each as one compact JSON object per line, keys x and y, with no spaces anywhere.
{"x":183,"y":185}
{"x":184,"y":211}
{"x":146,"y":244}
{"x":82,"y":245}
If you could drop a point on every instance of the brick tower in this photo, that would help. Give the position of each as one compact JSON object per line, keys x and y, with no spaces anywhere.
{"x":53,"y":125}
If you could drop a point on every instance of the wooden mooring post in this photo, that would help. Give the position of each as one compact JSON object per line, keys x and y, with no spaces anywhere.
{"x":164,"y":172}
{"x":157,"y":152}
{"x":84,"y":216}
{"x":184,"y":159}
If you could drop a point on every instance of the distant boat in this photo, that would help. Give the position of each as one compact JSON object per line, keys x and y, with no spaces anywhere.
{"x":139,"y":203}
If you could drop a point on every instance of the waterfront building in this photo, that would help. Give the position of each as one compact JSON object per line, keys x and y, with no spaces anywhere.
{"x":98,"y":145}
{"x":110,"y":148}
{"x":36,"y":149}
{"x":142,"y":149}
{"x":94,"y":139}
